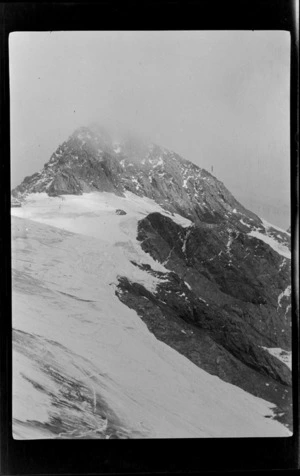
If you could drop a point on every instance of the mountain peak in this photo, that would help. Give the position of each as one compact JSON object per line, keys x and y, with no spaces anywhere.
{"x":216,"y":277}
{"x":96,"y":158}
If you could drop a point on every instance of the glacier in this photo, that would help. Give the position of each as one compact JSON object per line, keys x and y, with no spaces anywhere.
{"x":84,"y":364}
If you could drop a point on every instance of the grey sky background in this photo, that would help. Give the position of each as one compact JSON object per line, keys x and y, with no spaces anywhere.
{"x":219,"y":98}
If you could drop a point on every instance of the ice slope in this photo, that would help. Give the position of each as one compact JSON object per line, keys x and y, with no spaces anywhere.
{"x":84,"y":364}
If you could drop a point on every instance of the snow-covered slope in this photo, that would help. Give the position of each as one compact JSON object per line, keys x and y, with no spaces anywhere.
{"x":85,"y":365}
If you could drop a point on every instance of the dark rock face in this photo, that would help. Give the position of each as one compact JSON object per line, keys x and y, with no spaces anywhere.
{"x":64,"y":183}
{"x":241,"y":275}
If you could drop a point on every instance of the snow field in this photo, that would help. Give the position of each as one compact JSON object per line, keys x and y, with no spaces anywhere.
{"x":64,"y":292}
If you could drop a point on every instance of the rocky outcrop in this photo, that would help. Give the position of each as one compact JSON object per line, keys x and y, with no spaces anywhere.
{"x":222,"y":304}
{"x":236,"y":274}
{"x":15,"y":203}
{"x":64,"y":183}
{"x":120,"y":212}
{"x":185,"y":324}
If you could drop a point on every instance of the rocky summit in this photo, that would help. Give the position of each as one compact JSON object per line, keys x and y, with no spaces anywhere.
{"x":224,"y":300}
{"x":91,"y":160}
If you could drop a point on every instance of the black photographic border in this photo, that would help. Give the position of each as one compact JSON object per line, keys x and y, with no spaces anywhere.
{"x":162,"y":456}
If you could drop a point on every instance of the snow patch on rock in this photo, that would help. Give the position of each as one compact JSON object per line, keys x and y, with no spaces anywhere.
{"x":285,"y":293}
{"x":284,"y":356}
{"x":280,"y":248}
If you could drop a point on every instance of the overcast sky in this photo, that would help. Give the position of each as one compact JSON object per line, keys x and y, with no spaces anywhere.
{"x":219,"y":98}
